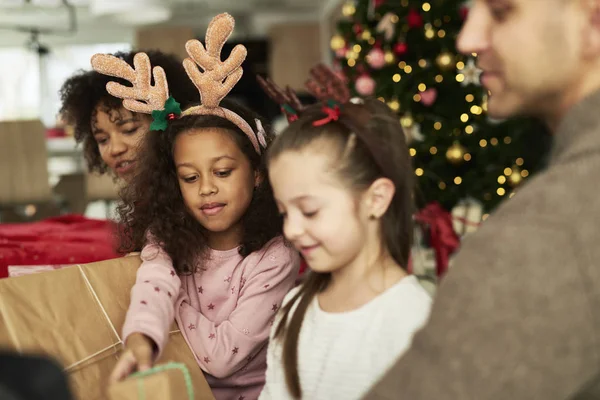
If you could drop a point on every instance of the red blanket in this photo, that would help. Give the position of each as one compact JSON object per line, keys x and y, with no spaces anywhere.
{"x":69,"y":239}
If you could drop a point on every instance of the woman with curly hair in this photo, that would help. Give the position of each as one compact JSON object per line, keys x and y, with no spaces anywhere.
{"x":109,"y":132}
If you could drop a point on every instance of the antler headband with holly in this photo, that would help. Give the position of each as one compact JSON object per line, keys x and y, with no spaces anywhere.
{"x":287,"y":99}
{"x":331,"y":90}
{"x":324,"y":84}
{"x":214,"y":80}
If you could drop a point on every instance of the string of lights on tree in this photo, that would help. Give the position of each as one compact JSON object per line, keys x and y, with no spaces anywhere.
{"x":403,"y":52}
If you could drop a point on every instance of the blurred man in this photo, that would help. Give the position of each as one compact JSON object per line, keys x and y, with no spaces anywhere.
{"x":517,"y":316}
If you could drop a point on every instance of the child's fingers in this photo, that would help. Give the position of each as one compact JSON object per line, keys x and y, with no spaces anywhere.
{"x":125,"y":366}
{"x":137,"y":357}
{"x":143,"y":356}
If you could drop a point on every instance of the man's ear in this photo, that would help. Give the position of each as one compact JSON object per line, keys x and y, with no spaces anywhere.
{"x":378,"y":197}
{"x":591,"y":12}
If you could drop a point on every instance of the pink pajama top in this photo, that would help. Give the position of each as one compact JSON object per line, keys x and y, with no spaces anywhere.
{"x":225,"y":310}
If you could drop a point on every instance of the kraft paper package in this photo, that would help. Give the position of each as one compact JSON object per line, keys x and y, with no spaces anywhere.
{"x":75,"y":315}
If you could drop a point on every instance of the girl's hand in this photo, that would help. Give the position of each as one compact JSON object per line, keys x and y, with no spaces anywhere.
{"x":138,"y":355}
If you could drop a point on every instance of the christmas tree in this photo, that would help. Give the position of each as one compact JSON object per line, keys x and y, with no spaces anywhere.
{"x":403,"y":52}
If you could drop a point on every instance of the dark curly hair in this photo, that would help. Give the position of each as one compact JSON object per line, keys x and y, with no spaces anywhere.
{"x":153,"y":203}
{"x":83,"y":92}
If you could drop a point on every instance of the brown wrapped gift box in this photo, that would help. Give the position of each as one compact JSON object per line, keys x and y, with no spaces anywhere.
{"x":167,"y":381}
{"x":68,"y":314}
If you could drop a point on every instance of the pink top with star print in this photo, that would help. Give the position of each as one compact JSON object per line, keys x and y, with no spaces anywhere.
{"x":225,"y":310}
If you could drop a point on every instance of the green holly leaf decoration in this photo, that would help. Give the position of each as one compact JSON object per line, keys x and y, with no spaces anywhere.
{"x":161,"y":117}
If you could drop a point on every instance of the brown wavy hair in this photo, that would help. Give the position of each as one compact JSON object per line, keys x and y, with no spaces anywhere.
{"x":357,"y":168}
{"x":152,"y":201}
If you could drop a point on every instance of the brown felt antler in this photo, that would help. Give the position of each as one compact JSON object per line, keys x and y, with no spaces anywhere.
{"x":285,"y":98}
{"x":325,"y":85}
{"x":143,"y":97}
{"x":215,"y":78}
{"x":218,"y":77}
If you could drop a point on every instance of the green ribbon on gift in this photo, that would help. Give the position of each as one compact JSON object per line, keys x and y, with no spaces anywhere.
{"x":162,"y":117}
{"x":161,"y":368}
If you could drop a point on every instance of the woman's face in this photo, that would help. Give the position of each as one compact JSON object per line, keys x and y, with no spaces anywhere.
{"x":118,"y":132}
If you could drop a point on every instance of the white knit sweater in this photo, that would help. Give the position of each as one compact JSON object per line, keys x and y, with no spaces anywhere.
{"x":341,"y":355}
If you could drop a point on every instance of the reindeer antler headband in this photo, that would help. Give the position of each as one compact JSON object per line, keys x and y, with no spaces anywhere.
{"x":287,"y":99}
{"x":214,"y":80}
{"x":329,"y":88}
{"x":324,"y":84}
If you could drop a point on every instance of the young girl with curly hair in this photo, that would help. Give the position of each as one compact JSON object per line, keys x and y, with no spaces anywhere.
{"x":108,"y":131}
{"x":202,"y":208}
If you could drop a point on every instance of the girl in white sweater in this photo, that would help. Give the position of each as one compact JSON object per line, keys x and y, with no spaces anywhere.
{"x":343,"y":181}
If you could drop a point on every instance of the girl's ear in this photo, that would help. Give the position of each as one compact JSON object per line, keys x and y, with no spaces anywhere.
{"x":378,"y":197}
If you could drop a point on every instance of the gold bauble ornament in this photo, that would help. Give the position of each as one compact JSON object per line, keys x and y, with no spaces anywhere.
{"x":389,"y":57}
{"x":515,"y":177}
{"x":348,"y":9}
{"x":407,"y":121}
{"x":366,"y":35}
{"x":456,"y":153}
{"x":351,"y":55}
{"x":445,"y":60}
{"x":337,"y":42}
{"x":394,"y":105}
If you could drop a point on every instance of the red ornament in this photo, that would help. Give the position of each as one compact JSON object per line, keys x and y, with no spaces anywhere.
{"x":400,"y":48}
{"x":378,"y":2}
{"x":365,"y":85}
{"x":464,"y":12}
{"x":171,"y":116}
{"x":357,"y":28}
{"x":428,"y":97}
{"x":414,"y":19}
{"x":376,"y":58}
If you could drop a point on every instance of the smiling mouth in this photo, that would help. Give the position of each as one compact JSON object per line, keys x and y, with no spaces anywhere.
{"x":212,"y":208}
{"x":306,"y":250}
{"x":124,"y":166}
{"x":487,"y":76}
